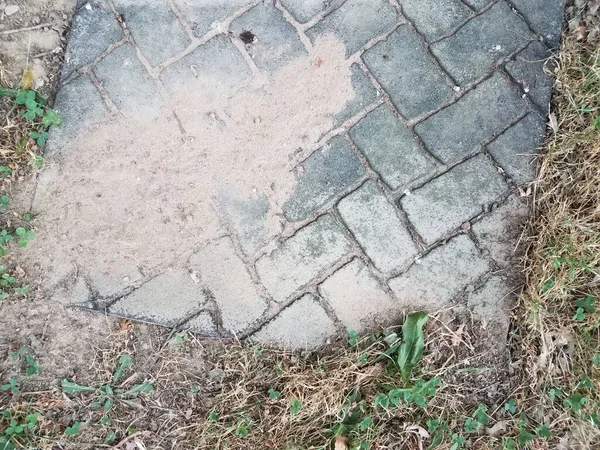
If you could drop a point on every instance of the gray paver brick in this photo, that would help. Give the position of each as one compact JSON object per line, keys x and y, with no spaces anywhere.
{"x":545,"y":16}
{"x":129,"y":85}
{"x":155,"y":29}
{"x":434,"y":18}
{"x":217,"y":63}
{"x":483,"y":112}
{"x":203,"y":324}
{"x":79,"y":104}
{"x":364,"y":94}
{"x":302,"y":257}
{"x":92,"y":32}
{"x":441,"y":275}
{"x":166,"y":299}
{"x":76,"y":294}
{"x":528,"y":70}
{"x":492,"y":302}
{"x":477,"y":4}
{"x":375,"y":224}
{"x":321,"y":177}
{"x":205,"y":15}
{"x":498,"y":232}
{"x":390,"y":148}
{"x":446,"y":202}
{"x":248,"y":218}
{"x":277,"y":41}
{"x":224,"y":273}
{"x":481,"y":43}
{"x":304,"y":10}
{"x":356,"y":22}
{"x":516,"y":148}
{"x":357,"y":298}
{"x":303,"y":325}
{"x":412,"y":81}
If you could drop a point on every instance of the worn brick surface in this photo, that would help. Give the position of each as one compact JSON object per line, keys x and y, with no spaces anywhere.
{"x":129,"y":85}
{"x":304,"y":10}
{"x":492,"y":302}
{"x":482,"y":42}
{"x":321,"y":177}
{"x":92,"y":31}
{"x":448,"y":201}
{"x":528,"y":70}
{"x":545,"y":16}
{"x":248,"y":218}
{"x":515,"y":149}
{"x":203,"y":324}
{"x":207,"y":15}
{"x":303,"y":325}
{"x":277,"y":42}
{"x":477,"y":4}
{"x":375,"y":224}
{"x":390,"y":148}
{"x":401,"y":66}
{"x":357,"y":297}
{"x":498,"y":232}
{"x":155,"y":29}
{"x":224,"y":273}
{"x":483,"y":112}
{"x":79,"y":104}
{"x":302,"y":257}
{"x":448,"y":14}
{"x":441,"y":276}
{"x":356,"y":22}
{"x":364,"y":94}
{"x":218,"y":64}
{"x":166,"y":299}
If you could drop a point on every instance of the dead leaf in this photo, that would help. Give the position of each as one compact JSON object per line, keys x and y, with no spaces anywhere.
{"x":125,"y":325}
{"x":553,"y":122}
{"x":341,"y":443}
{"x":188,"y":414}
{"x":27,"y":80}
{"x":498,"y":428}
{"x":370,"y":372}
{"x":419,"y":431}
{"x":457,"y":335}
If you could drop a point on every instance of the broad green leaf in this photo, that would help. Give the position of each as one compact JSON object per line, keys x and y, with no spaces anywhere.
{"x":71,"y":387}
{"x":124,"y":363}
{"x":413,"y":342}
{"x":73,"y":429}
{"x":138,"y":389}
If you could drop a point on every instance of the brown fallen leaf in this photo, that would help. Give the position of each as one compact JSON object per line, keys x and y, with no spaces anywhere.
{"x":370,"y":372}
{"x":27,"y":80}
{"x":341,"y":443}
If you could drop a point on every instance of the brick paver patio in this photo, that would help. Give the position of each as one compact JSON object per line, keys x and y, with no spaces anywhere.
{"x":413,"y":201}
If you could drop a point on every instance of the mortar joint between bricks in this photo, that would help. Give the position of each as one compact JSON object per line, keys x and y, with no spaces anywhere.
{"x":182,"y":19}
{"x":115,"y":111}
{"x":523,"y":17}
{"x":290,"y":19}
{"x":524,"y":94}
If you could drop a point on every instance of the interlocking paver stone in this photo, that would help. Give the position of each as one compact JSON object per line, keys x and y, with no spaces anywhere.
{"x":129,"y":85}
{"x":94,"y":28}
{"x":155,"y":29}
{"x":390,"y":148}
{"x":449,"y":14}
{"x":375,"y":224}
{"x":302,"y":257}
{"x":482,"y":42}
{"x":304,"y":10}
{"x":79,"y":104}
{"x":483,"y":112}
{"x":364,"y":94}
{"x":303,"y":325}
{"x":277,"y":42}
{"x":515,"y":149}
{"x":356,"y":22}
{"x":321,"y":177}
{"x":401,"y":66}
{"x":528,"y":70}
{"x":357,"y":297}
{"x":201,"y":192}
{"x":546,"y":17}
{"x":224,"y":273}
{"x":167,"y":299}
{"x":218,"y":63}
{"x":453,"y":198}
{"x":206,"y":15}
{"x":441,"y":276}
{"x":497,"y":232}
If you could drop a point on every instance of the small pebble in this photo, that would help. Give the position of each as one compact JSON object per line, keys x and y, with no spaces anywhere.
{"x":11,"y":9}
